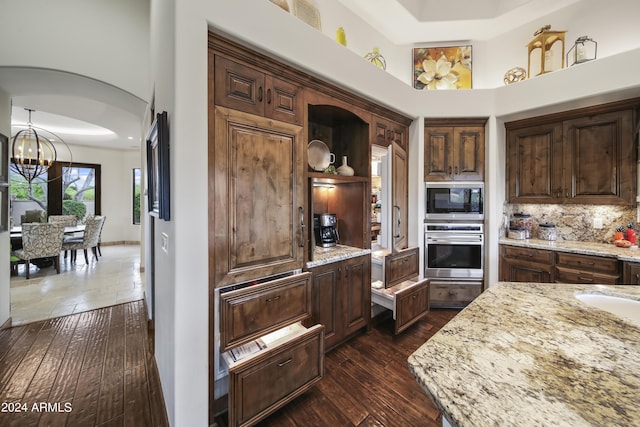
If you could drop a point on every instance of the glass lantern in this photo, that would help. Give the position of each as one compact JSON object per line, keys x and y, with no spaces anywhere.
{"x":584,"y":49}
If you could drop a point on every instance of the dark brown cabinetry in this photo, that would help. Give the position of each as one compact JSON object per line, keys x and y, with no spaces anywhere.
{"x":257,"y":197}
{"x":251,"y":90}
{"x":518,"y":264}
{"x":588,"y":269}
{"x":581,"y":156}
{"x":456,"y":295}
{"x":341,"y":298}
{"x":631,"y":273}
{"x":385,"y":132}
{"x":454,"y":150}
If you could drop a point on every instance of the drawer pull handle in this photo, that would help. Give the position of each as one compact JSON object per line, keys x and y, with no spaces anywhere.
{"x":586,"y":262}
{"x":585,"y":279}
{"x":452,"y":294}
{"x":525,"y":254}
{"x":285,"y":362}
{"x":637,"y":278}
{"x":273,"y":299}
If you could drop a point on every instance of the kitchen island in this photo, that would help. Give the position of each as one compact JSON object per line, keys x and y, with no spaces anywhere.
{"x":533,"y":354}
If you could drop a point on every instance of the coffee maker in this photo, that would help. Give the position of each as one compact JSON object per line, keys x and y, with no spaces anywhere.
{"x":325,"y":227}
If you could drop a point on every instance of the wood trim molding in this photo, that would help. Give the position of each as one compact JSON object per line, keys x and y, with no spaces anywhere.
{"x":261,"y":61}
{"x":6,"y":324}
{"x":468,"y":121}
{"x":632,"y":103}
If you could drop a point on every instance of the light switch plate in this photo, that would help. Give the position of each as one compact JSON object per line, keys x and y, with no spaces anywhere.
{"x":165,"y":242}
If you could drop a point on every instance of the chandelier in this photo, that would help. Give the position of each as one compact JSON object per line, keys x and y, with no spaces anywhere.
{"x":33,"y":154}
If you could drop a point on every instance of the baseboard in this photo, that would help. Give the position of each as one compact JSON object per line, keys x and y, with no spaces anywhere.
{"x":6,"y":325}
{"x":121,"y":242}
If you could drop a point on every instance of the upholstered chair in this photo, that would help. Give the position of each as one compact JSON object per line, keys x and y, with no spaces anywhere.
{"x":41,"y":240}
{"x":67,"y":220}
{"x":35,"y":215}
{"x":89,"y":240}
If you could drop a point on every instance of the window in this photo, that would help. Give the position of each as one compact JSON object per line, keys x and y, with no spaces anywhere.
{"x":136,"y":196}
{"x":65,"y":189}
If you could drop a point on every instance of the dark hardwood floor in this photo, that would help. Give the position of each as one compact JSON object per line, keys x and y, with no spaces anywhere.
{"x":367,"y":383}
{"x":87,"y":369}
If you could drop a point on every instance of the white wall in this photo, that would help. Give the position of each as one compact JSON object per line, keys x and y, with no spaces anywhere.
{"x":5,"y":301}
{"x":104,"y":40}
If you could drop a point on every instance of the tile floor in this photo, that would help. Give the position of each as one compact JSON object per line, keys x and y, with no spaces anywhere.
{"x":114,"y":279}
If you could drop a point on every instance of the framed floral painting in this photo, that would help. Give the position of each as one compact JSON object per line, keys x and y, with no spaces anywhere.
{"x":437,"y":68}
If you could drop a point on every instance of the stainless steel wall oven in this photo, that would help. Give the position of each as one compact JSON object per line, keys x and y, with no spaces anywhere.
{"x":454,"y":250}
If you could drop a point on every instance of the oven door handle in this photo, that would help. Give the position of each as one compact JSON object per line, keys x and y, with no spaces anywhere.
{"x":455,"y":240}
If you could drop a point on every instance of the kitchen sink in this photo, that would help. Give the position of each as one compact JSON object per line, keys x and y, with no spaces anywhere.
{"x":625,"y":308}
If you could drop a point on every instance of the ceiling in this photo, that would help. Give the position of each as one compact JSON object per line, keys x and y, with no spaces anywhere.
{"x":80,"y":110}
{"x":419,"y":21}
{"x":89,"y":112}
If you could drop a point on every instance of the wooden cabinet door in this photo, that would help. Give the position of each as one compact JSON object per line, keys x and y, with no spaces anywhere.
{"x":385,"y":132}
{"x":534,"y":164}
{"x":400,"y":196}
{"x":631,"y":273}
{"x":468,"y":152}
{"x":401,"y":266}
{"x":600,"y":159}
{"x":257,"y":198}
{"x":327,"y":304}
{"x":513,"y":271}
{"x":283,"y":101}
{"x":238,"y":86}
{"x":356,"y":290}
{"x":411,"y":305}
{"x":438,"y":154}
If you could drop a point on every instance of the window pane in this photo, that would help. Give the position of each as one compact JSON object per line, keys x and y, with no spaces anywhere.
{"x":136,"y":196}
{"x":78,"y":192}
{"x":25,"y":199}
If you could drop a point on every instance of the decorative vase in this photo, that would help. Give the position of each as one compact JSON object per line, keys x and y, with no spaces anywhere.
{"x":341,"y":37}
{"x":376,"y":59}
{"x":345,"y":169}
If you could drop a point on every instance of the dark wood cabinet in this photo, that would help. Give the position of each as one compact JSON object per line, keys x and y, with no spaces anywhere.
{"x":401,"y":266}
{"x":341,"y":298}
{"x":400,"y":196}
{"x":631,"y":273}
{"x":257,"y":197}
{"x":454,"y":151}
{"x":385,"y":132}
{"x":519,"y":264}
{"x":453,"y":295}
{"x":247,"y":89}
{"x":582,"y":156}
{"x":588,"y":269}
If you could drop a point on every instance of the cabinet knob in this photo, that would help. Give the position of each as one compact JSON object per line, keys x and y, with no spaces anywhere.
{"x":260,"y":94}
{"x":456,"y":170}
{"x":449,"y":170}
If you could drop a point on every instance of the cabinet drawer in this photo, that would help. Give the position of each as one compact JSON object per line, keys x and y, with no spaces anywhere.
{"x":260,"y":385}
{"x":246,"y":314}
{"x":411,"y":305}
{"x":566,"y":275}
{"x":587,"y":263}
{"x":453,"y":295}
{"x":401,"y":266}
{"x":528,"y":254}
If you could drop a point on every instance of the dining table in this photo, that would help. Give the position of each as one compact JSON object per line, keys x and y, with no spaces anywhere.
{"x":15,"y":234}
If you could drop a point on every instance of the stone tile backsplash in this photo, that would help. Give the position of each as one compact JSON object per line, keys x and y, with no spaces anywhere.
{"x":575,"y":222}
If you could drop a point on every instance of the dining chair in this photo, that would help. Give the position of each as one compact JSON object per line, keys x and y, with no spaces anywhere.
{"x":67,"y":220}
{"x":41,"y":240}
{"x":89,"y":239}
{"x":34,"y":215}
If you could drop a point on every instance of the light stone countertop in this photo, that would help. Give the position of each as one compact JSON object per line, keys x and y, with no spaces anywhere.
{"x":532,"y":354}
{"x":578,"y":247}
{"x":322,"y":256}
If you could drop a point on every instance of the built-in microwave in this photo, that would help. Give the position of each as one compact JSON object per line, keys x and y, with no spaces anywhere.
{"x":454,"y":201}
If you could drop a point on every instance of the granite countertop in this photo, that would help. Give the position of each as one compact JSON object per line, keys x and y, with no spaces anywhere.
{"x":578,"y":247}
{"x":322,"y":256}
{"x":533,"y":354}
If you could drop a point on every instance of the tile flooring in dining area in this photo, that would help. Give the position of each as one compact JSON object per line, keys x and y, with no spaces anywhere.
{"x":114,"y":279}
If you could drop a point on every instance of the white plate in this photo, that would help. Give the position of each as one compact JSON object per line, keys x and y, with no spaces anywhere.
{"x":319,"y":157}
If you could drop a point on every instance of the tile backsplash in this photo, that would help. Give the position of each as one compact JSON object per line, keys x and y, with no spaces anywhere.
{"x":575,"y":222}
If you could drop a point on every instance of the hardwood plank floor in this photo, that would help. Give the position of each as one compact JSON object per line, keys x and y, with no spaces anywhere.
{"x":367,"y":383}
{"x":88,"y":369}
